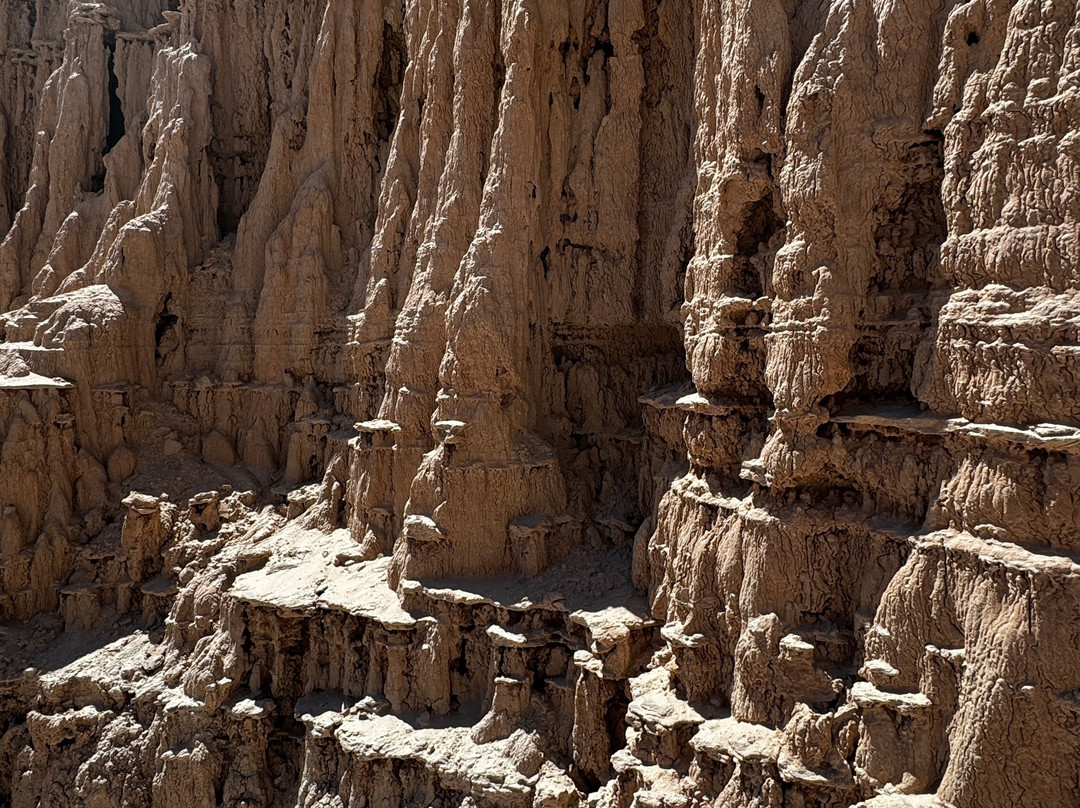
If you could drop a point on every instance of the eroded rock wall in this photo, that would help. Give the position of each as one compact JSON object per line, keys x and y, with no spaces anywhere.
{"x":584,"y":402}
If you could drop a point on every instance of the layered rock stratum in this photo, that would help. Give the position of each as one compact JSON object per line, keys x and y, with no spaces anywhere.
{"x":611,"y":403}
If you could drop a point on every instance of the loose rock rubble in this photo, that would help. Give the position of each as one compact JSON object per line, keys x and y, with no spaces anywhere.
{"x":539,"y":403}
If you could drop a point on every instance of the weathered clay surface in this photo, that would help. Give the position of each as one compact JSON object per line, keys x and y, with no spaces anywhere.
{"x":540,"y":403}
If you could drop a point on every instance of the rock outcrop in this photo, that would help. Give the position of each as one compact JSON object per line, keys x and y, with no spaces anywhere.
{"x":539,"y":403}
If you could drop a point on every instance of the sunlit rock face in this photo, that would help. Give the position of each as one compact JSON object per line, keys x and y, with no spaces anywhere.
{"x":540,"y":403}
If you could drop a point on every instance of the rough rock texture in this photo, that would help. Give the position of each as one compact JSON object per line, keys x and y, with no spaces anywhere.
{"x":656,"y":403}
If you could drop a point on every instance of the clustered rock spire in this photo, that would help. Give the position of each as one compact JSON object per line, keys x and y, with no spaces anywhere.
{"x":540,"y":403}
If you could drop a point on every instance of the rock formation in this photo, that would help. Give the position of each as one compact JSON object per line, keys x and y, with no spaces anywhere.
{"x":541,"y":403}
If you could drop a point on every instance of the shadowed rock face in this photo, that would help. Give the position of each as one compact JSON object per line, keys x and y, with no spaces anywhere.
{"x":539,"y":403}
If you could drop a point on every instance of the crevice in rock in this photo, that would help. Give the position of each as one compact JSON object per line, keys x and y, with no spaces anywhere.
{"x":117,"y":126}
{"x":388,"y":80}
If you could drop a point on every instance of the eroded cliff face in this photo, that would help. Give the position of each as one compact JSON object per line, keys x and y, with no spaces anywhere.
{"x":539,"y":403}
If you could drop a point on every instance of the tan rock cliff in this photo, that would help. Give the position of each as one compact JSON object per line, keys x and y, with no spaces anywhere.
{"x":612,"y":403}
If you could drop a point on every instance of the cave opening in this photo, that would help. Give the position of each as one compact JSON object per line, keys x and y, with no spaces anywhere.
{"x":910,"y":227}
{"x":164,"y":337}
{"x":760,"y":222}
